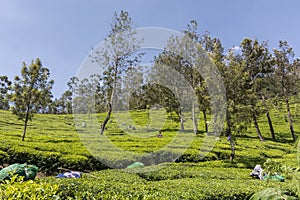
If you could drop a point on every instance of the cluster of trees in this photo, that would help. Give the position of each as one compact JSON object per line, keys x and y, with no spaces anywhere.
{"x":251,"y":72}
{"x":252,"y":75}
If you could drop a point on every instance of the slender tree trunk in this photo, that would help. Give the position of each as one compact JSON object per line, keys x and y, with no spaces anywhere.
{"x":261,"y":138}
{"x":230,"y":137}
{"x":205,"y":121}
{"x":110,"y":104}
{"x":106,"y":119}
{"x":109,"y":107}
{"x":25,"y":123}
{"x":290,"y":117}
{"x":181,"y":120}
{"x":268,"y":117}
{"x":195,"y":124}
{"x":232,"y":154}
{"x":148,"y":114}
{"x":288,"y":109}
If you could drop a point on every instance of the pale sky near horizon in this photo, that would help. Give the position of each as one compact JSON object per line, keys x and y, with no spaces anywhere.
{"x":62,"y":32}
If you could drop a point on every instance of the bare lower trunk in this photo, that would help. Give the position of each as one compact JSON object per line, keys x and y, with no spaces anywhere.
{"x":25,"y":124}
{"x":106,"y":119}
{"x":269,"y":118}
{"x":205,"y":121}
{"x":290,"y":118}
{"x":230,"y":137}
{"x":232,"y":154}
{"x":261,"y":138}
{"x":110,"y":104}
{"x":195,"y":124}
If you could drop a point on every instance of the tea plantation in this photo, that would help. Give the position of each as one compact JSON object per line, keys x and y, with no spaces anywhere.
{"x":53,"y":143}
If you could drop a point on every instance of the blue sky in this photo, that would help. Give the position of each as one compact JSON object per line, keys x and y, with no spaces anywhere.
{"x":62,"y":32}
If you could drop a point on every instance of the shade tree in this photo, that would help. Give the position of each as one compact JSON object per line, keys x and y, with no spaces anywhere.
{"x":286,"y":76}
{"x":257,"y":62}
{"x":30,"y":91}
{"x":116,"y":57}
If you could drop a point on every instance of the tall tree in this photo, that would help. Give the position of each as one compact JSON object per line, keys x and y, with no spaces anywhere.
{"x":237,"y":93}
{"x":229,"y":68}
{"x":4,"y":89}
{"x":183,"y":55}
{"x":195,"y":79}
{"x":30,"y":91}
{"x":215,"y":50}
{"x":117,"y":56}
{"x":258,"y":65}
{"x":161,"y":73}
{"x":285,"y":76}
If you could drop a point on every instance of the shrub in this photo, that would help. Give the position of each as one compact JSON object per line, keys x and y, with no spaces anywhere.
{"x":271,"y":194}
{"x":17,"y":188}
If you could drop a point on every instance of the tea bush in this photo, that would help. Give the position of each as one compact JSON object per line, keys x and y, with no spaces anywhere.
{"x":52,"y":142}
{"x":172,"y":181}
{"x":16,"y":188}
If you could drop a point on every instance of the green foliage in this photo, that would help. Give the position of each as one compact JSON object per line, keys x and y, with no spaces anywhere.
{"x":271,"y":194}
{"x":17,"y":188}
{"x":4,"y":91}
{"x":286,"y":78}
{"x":168,"y":181}
{"x":279,"y":167}
{"x":273,"y":167}
{"x":54,"y":143}
{"x":76,"y":162}
{"x":154,"y":94}
{"x":31,"y":92}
